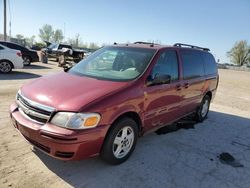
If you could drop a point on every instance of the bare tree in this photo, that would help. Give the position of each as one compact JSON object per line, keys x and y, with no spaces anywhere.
{"x":240,"y":53}
{"x":19,"y":36}
{"x":76,"y":41}
{"x":30,"y":40}
{"x":46,"y":33}
{"x":93,"y":45}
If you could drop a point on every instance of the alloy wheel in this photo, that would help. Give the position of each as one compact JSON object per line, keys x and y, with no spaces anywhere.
{"x":205,"y":108}
{"x":5,"y":67}
{"x":123,"y":142}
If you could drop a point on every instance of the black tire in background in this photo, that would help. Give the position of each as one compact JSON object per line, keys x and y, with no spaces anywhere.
{"x":5,"y":66}
{"x":26,"y":60}
{"x":120,"y":141}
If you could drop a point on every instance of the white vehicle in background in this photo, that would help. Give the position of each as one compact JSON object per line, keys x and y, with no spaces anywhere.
{"x":10,"y":59}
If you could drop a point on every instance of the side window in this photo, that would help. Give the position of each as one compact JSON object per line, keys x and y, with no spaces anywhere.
{"x":210,"y":64}
{"x":192,"y":64}
{"x":167,"y":64}
{"x":61,"y":46}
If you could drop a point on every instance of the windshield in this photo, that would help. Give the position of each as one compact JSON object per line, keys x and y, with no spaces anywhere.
{"x":52,"y":46}
{"x":114,"y":63}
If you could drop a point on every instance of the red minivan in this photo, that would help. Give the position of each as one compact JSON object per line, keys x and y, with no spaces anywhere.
{"x":105,"y":102}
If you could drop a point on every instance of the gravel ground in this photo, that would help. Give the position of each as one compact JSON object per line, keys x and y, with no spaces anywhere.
{"x":188,"y":157}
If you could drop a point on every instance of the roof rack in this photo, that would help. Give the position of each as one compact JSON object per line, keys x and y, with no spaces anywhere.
{"x":150,"y":43}
{"x":191,"y":46}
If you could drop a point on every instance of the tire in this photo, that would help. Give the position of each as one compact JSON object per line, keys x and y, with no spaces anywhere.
{"x":5,"y":66}
{"x":120,"y":141}
{"x":203,"y":109}
{"x":26,"y":60}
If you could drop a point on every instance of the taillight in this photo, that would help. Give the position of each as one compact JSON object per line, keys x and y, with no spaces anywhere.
{"x":19,"y":54}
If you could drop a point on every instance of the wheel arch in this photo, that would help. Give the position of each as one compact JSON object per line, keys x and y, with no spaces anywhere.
{"x":12,"y":66}
{"x":130,"y":114}
{"x":28,"y":56}
{"x":209,"y":93}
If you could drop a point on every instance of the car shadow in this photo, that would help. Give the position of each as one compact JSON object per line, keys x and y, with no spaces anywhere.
{"x":156,"y":156}
{"x":15,"y":75}
{"x":34,"y":66}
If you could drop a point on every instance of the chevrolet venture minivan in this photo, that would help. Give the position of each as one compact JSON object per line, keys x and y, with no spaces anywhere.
{"x":119,"y":93}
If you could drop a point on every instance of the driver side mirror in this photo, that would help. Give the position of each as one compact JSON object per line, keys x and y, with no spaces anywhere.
{"x":158,"y":79}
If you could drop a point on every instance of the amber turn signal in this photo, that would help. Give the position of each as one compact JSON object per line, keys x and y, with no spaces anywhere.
{"x":91,"y":121}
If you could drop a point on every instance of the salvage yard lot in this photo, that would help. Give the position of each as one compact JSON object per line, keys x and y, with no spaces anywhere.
{"x":184,"y":158}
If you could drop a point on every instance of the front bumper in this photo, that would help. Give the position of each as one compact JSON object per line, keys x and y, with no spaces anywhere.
{"x":58,"y":142}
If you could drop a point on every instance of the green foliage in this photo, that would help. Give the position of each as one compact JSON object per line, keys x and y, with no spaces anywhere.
{"x":46,"y":33}
{"x":240,"y":53}
{"x":40,"y":44}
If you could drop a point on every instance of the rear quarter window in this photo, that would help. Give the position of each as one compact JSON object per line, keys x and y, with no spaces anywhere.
{"x":15,"y":47}
{"x":192,"y":64}
{"x":209,"y":64}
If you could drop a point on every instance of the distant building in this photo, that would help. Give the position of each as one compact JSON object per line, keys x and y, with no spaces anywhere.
{"x":22,"y":42}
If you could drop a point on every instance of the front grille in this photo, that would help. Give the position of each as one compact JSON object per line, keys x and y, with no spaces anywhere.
{"x":34,"y":111}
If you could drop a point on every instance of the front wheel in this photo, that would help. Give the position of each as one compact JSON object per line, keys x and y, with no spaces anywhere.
{"x":120,"y":141}
{"x":203,"y":109}
{"x":5,"y":67}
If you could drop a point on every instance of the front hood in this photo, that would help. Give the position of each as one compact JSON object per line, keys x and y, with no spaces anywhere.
{"x":67,"y":92}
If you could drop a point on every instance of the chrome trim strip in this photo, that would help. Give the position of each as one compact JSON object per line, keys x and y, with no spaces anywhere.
{"x":21,"y":111}
{"x":28,"y":111}
{"x":38,"y":105}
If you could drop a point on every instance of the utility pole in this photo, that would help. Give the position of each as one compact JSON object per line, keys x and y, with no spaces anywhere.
{"x":5,"y":20}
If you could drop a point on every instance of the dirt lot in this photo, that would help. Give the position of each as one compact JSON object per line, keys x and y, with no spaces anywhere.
{"x":184,"y":158}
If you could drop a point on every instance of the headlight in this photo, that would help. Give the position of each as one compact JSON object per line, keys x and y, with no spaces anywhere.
{"x":76,"y":120}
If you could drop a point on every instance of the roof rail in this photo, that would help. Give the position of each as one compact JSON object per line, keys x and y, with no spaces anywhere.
{"x":191,"y":46}
{"x":141,"y":42}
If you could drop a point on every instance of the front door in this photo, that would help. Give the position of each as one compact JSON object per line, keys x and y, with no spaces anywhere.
{"x":162,"y":101}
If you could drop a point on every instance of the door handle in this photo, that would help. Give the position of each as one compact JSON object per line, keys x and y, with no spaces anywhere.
{"x":186,"y":85}
{"x":178,"y":87}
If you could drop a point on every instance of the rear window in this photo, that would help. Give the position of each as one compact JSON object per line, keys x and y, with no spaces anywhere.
{"x":209,"y":63}
{"x":192,"y":64}
{"x":15,"y":47}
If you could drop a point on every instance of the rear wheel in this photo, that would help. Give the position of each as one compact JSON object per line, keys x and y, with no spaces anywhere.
{"x":5,"y":66}
{"x":203,"y":110}
{"x":26,"y":60}
{"x":120,"y":141}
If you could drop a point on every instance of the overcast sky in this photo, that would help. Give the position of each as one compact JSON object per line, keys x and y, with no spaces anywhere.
{"x":215,"y":24}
